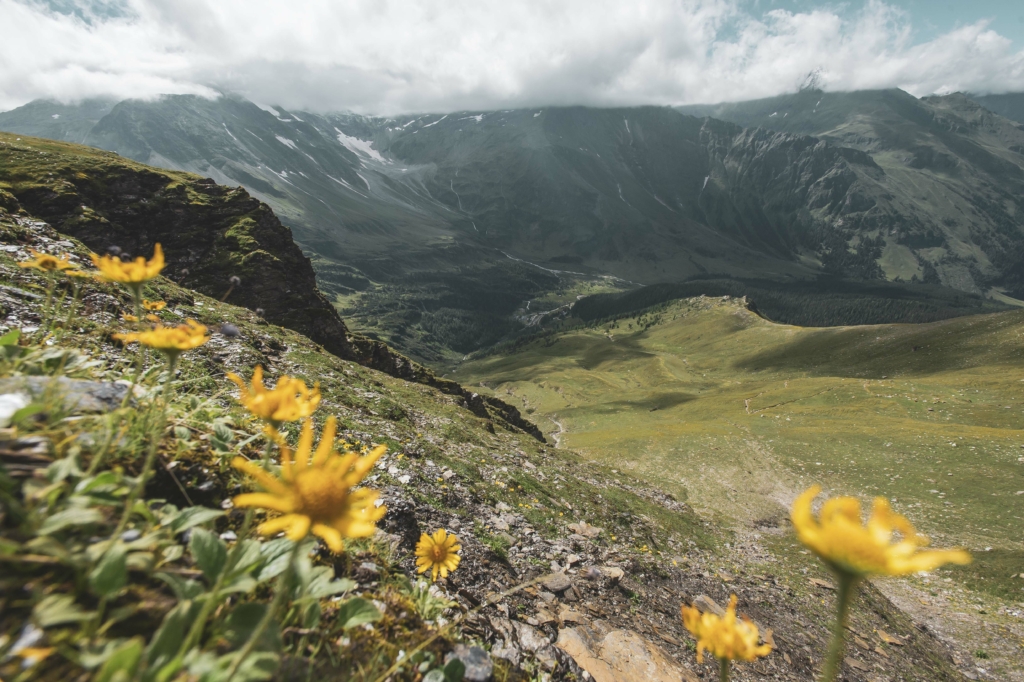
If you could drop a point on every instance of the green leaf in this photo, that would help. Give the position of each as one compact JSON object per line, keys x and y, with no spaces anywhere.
{"x":58,"y":609}
{"x":123,"y":663}
{"x":111,"y":574}
{"x":183,"y":588}
{"x":243,"y":621}
{"x":165,"y":643}
{"x":357,"y":611}
{"x":454,"y":671}
{"x":10,"y":338}
{"x":222,"y":433}
{"x":19,"y":417}
{"x":275,"y":558}
{"x":249,"y":555}
{"x":183,"y":433}
{"x":257,"y":666}
{"x":68,"y":518}
{"x":434,"y":676}
{"x":209,"y":551}
{"x":190,"y":517}
{"x":321,"y":585}
{"x":108,"y":479}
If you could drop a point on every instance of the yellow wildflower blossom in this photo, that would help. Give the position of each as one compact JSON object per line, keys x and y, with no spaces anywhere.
{"x":725,"y":637}
{"x":289,"y":400}
{"x":169,"y":340}
{"x":316,"y":491}
{"x":132,"y":273}
{"x":129,"y":318}
{"x":152,"y":318}
{"x":47,"y":263}
{"x":850,"y":548}
{"x":153,"y":306}
{"x":437,"y":553}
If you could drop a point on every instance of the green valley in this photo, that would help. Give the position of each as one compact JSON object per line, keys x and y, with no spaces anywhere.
{"x":706,"y":398}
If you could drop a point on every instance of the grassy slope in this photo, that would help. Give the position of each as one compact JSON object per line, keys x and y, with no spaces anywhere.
{"x":743,"y":413}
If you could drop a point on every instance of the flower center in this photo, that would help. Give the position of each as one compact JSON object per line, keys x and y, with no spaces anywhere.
{"x":438,"y":553}
{"x":321,"y":497}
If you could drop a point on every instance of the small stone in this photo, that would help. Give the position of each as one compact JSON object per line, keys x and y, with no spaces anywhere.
{"x":572,"y":559}
{"x":404,"y":480}
{"x":593,"y":573}
{"x":477,"y":661}
{"x":448,"y":475}
{"x":502,"y":507}
{"x":547,"y":596}
{"x":228,"y":536}
{"x":557,"y":582}
{"x":227,"y":504}
{"x":393,"y":469}
{"x":613,"y":573}
{"x":501,"y":525}
{"x":230,"y":331}
{"x":131,"y":535}
{"x":708,"y":605}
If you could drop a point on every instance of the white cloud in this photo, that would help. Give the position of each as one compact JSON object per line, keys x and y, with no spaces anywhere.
{"x":389,"y":56}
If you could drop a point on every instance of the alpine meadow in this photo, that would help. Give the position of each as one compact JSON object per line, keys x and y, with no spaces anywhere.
{"x":672,"y":341}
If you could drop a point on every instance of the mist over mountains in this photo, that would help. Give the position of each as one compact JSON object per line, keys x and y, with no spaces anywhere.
{"x":436,"y":230}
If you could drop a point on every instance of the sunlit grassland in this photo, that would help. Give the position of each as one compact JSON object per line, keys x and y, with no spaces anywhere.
{"x":739,"y":414}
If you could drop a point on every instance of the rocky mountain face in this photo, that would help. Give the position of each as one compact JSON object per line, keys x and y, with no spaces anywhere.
{"x":951,"y":174}
{"x":438,"y":230}
{"x":210,"y":234}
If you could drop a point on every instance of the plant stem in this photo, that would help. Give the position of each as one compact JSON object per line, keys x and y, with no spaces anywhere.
{"x":154,"y":448}
{"x":280,"y":592}
{"x":196,"y":631}
{"x":723,"y":670}
{"x":137,"y":299}
{"x":847,"y":589}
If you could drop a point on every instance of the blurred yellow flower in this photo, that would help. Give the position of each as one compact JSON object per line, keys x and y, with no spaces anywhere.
{"x":437,"y":553}
{"x":133,"y":273}
{"x":47,"y":263}
{"x":153,"y":306}
{"x":152,"y":318}
{"x":725,"y":637}
{"x":289,"y":400}
{"x":841,"y":541}
{"x":129,"y":318}
{"x":316,"y":491}
{"x":169,"y":340}
{"x":31,"y":656}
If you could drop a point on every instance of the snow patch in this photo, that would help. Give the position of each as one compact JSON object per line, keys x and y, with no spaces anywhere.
{"x":286,"y":142}
{"x":55,"y":116}
{"x":627,"y":126}
{"x":229,"y":133}
{"x":435,"y":122}
{"x":359,"y":147}
{"x":774,"y":113}
{"x":477,"y":118}
{"x":535,"y":116}
{"x":342,"y":182}
{"x":273,"y":112}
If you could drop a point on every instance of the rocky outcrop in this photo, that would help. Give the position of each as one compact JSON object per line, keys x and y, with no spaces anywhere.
{"x":210,"y":234}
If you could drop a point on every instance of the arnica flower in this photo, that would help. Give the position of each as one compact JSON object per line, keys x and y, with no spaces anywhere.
{"x":170,"y":341}
{"x":47,"y":263}
{"x":132,"y":273}
{"x":437,"y":553}
{"x":725,"y":637}
{"x":316,"y":491}
{"x":154,"y":306}
{"x":289,"y":400}
{"x":129,"y":318}
{"x":850,"y":548}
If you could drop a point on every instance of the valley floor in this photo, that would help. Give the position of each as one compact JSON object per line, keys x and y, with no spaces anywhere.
{"x":738,"y":415}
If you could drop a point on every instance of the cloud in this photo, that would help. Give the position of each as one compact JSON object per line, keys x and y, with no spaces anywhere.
{"x":392,"y":56}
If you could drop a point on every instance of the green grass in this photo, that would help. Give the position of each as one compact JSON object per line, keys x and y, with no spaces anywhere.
{"x":742,"y":414}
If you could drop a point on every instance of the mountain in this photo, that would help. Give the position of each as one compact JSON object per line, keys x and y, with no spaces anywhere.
{"x":210,"y":234}
{"x":446,"y":232}
{"x":1010,"y":105}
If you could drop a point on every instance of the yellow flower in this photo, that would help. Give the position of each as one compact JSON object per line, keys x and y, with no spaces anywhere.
{"x":129,"y":318}
{"x":289,"y":400}
{"x":153,"y":306}
{"x":152,"y":318}
{"x":437,"y":553}
{"x":316,"y":494}
{"x":132,"y":273}
{"x":170,"y":340}
{"x":47,"y":263}
{"x":31,"y":656}
{"x":850,"y":548}
{"x":724,"y":636}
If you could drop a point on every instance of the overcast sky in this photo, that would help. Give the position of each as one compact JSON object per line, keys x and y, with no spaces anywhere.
{"x":395,"y":56}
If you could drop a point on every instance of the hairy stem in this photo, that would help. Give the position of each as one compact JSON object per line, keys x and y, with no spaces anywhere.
{"x":847,"y":590}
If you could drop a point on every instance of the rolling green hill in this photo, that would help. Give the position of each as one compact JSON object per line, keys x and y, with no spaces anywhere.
{"x":443,"y":233}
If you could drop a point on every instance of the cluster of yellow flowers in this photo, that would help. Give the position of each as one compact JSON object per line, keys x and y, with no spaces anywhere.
{"x":317,"y":491}
{"x":853,"y":550}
